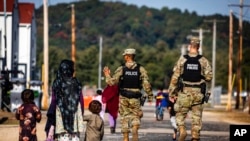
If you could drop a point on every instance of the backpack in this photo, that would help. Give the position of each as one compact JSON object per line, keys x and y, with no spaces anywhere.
{"x":192,"y":69}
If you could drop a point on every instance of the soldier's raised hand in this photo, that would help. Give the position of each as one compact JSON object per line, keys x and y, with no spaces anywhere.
{"x":106,"y":71}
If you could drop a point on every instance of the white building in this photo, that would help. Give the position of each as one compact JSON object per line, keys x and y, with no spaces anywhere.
{"x":18,"y":25}
{"x":27,"y":40}
{"x":8,"y":31}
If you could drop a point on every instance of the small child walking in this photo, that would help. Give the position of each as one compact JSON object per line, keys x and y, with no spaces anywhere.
{"x":95,"y":124}
{"x":159,"y":109}
{"x":172,"y":118}
{"x":28,"y":114}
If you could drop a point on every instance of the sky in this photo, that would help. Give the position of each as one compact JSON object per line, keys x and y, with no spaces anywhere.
{"x":201,"y":7}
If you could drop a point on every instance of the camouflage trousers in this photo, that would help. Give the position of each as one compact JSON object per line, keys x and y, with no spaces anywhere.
{"x":190,"y":100}
{"x":130,"y":113}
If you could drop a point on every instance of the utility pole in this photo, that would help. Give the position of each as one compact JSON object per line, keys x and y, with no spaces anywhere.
{"x":100,"y":64}
{"x":73,"y":38}
{"x":239,"y":82}
{"x":230,"y":64}
{"x":5,"y":36}
{"x":3,"y":60}
{"x":239,"y":79}
{"x":214,"y":21}
{"x":45,"y":56}
{"x":200,"y":31}
{"x":183,"y":49}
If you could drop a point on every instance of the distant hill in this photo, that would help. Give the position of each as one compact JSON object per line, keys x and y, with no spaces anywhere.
{"x":157,"y":35}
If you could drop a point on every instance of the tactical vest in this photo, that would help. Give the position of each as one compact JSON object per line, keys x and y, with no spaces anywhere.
{"x":192,"y":69}
{"x":130,"y":77}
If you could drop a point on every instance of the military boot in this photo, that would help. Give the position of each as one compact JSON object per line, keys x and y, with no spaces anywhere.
{"x":140,"y":114}
{"x":125,"y":136}
{"x":195,"y":135}
{"x":135,"y":132}
{"x":183,"y":133}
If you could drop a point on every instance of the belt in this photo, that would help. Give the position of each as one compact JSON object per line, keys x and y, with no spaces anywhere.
{"x":190,"y":85}
{"x":130,"y":94}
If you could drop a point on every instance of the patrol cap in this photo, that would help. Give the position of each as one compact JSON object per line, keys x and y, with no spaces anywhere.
{"x":129,"y":51}
{"x":195,"y":41}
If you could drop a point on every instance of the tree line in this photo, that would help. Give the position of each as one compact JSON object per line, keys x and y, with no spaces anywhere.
{"x":157,"y":34}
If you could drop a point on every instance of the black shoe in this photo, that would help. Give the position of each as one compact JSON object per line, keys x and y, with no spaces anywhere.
{"x":112,"y":130}
{"x":174,"y":135}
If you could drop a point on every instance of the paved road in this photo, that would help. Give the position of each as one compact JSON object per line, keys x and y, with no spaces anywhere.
{"x":151,"y":130}
{"x":214,"y":128}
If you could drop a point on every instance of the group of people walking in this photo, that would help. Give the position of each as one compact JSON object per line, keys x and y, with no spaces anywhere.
{"x":65,"y":116}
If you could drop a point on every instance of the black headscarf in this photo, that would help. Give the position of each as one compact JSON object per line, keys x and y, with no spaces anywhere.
{"x":67,"y":90}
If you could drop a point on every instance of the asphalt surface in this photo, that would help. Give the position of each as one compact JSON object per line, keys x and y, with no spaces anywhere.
{"x":151,"y":130}
{"x":214,"y":128}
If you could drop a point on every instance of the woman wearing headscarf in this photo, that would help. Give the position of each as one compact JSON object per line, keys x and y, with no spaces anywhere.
{"x":65,"y":114}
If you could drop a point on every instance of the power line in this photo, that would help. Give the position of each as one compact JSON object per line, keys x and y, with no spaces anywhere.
{"x":241,"y":6}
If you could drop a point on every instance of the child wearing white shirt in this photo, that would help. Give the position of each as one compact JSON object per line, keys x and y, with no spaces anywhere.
{"x":98,"y":97}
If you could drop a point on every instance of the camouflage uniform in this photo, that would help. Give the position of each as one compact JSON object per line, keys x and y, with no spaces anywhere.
{"x":189,"y":98}
{"x":130,"y":109}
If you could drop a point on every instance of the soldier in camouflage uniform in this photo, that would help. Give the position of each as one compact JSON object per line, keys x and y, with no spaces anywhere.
{"x":194,"y":70}
{"x":131,"y":77}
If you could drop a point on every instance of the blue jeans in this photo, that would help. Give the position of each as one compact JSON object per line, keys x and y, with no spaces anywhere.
{"x":159,"y":112}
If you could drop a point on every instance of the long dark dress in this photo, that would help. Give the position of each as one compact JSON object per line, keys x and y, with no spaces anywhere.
{"x":28,"y":114}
